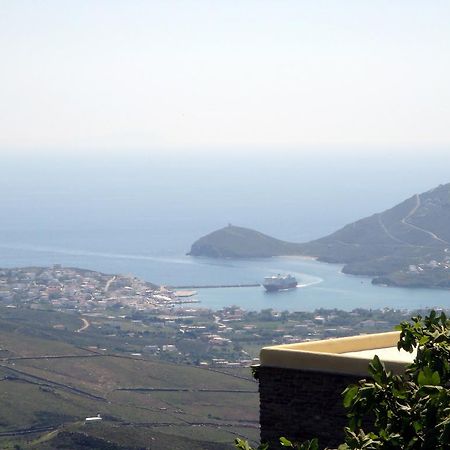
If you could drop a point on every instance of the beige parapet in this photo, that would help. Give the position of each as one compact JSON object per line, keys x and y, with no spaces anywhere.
{"x":348,"y":355}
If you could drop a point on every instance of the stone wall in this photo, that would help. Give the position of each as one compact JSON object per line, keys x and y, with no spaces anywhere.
{"x":302,"y":405}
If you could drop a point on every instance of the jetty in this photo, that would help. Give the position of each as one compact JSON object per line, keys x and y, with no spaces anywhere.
{"x":217,"y":286}
{"x":184,"y":293}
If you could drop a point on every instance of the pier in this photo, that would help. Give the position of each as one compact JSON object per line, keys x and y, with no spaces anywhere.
{"x":216,"y":286}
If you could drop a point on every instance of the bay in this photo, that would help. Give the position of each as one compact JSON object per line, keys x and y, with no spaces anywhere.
{"x":140,"y":214}
{"x":321,"y":285}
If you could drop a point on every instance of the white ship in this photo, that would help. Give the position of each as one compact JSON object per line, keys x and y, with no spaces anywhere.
{"x":279,"y":282}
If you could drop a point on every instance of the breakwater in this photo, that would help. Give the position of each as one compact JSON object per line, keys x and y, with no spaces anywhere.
{"x":217,"y":286}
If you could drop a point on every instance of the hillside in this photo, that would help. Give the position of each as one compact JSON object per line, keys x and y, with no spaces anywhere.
{"x":53,"y":376}
{"x":239,"y":242}
{"x":407,"y":245}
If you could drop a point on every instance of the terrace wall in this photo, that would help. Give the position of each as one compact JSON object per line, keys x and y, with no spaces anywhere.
{"x":300,"y":404}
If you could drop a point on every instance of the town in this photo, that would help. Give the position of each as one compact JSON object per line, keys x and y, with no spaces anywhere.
{"x":123,"y":314}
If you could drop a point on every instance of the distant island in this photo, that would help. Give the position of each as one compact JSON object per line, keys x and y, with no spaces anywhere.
{"x":407,"y":245}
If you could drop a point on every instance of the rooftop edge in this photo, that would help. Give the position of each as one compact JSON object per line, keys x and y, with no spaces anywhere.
{"x":330,"y":355}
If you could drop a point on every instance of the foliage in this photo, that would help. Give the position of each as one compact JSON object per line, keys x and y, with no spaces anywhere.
{"x":307,"y":445}
{"x":409,"y":411}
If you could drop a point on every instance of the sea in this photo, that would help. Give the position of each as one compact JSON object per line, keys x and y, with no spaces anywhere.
{"x":139,"y":213}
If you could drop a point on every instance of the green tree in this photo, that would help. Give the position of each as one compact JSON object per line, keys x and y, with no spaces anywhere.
{"x":411,"y":411}
{"x":308,"y":445}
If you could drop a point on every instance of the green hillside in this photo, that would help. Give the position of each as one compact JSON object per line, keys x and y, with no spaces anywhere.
{"x":407,"y":245}
{"x":50,"y":381}
{"x":239,"y":242}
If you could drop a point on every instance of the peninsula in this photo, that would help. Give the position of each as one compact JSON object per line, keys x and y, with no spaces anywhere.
{"x":407,"y":245}
{"x":239,"y":242}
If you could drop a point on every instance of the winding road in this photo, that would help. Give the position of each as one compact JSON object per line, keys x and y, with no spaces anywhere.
{"x":86,"y":324}
{"x":108,"y":283}
{"x":411,"y":213}
{"x":383,"y":226}
{"x":405,"y":222}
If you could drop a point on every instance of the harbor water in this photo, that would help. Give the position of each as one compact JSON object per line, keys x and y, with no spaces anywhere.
{"x":139,"y":216}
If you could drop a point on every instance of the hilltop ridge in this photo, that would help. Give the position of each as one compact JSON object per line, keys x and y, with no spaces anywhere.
{"x":406,"y":245}
{"x":239,"y":242}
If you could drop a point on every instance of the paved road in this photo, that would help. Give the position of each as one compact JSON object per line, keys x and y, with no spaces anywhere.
{"x":411,"y":213}
{"x":86,"y":324}
{"x":405,"y":222}
{"x":108,"y":283}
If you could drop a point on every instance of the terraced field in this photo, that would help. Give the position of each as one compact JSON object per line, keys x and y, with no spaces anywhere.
{"x":50,"y":381}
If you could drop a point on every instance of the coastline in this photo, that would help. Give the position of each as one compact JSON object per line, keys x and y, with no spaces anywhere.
{"x":304,"y":257}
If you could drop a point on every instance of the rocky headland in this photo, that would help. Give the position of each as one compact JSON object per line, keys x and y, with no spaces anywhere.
{"x":407,"y":245}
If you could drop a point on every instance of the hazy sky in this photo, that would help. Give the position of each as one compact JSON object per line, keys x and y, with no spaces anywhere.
{"x":101,"y":75}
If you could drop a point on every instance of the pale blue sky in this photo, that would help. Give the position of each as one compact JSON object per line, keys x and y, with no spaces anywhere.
{"x":100,"y":75}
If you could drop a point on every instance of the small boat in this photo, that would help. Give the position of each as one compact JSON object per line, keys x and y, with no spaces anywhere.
{"x":279,"y":282}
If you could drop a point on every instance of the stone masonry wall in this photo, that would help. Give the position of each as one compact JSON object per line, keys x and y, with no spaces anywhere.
{"x":302,"y":405}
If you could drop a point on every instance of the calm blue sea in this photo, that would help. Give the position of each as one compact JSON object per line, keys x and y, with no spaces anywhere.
{"x":139,"y":215}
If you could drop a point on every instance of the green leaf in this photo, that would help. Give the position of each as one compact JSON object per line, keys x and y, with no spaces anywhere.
{"x":435,"y":378}
{"x":376,"y":366}
{"x":349,"y":394}
{"x":430,"y":390}
{"x":422,"y":378}
{"x":286,"y":442}
{"x":242,"y":445}
{"x":425,"y":376}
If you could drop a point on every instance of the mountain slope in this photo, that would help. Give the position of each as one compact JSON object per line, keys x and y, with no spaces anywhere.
{"x":412,"y":232}
{"x":51,"y":379}
{"x":389,"y":245}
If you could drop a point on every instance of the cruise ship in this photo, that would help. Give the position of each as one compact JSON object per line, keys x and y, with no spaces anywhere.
{"x":279,"y":282}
